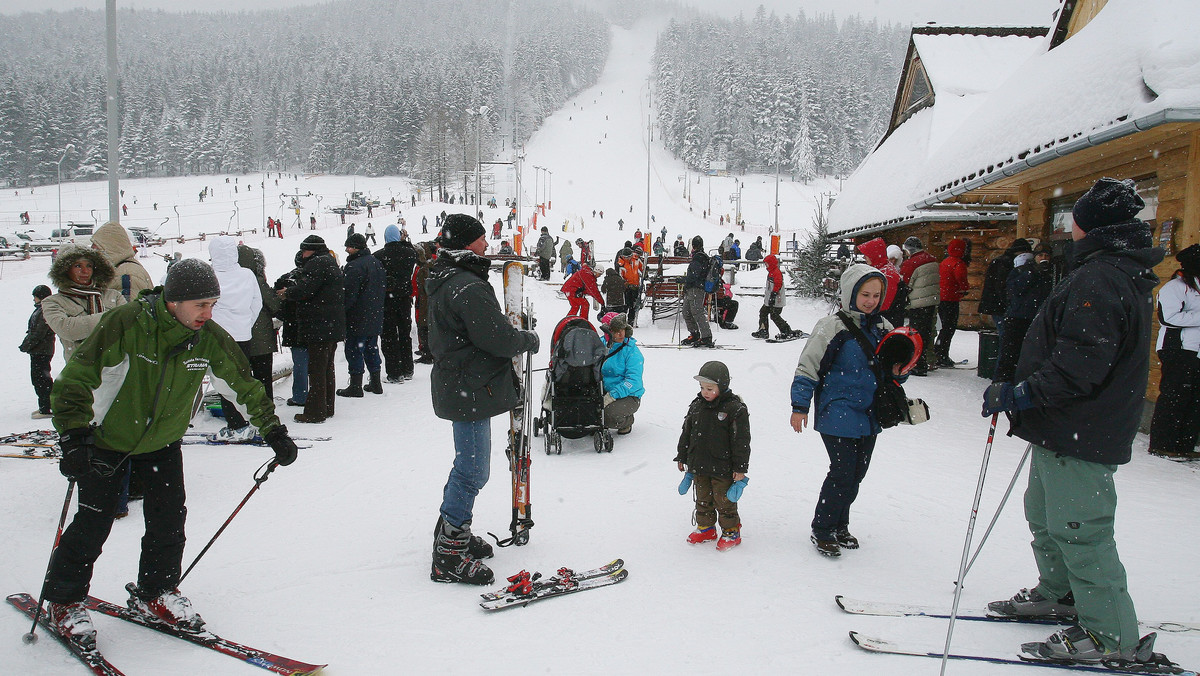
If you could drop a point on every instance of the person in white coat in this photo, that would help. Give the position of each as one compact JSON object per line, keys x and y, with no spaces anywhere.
{"x":236,"y":312}
{"x":1176,"y":421}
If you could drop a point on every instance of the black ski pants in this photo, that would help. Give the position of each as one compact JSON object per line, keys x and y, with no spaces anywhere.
{"x":849,"y":458}
{"x":1176,"y":421}
{"x":948,"y":311}
{"x":775,"y":313}
{"x":921,"y":319}
{"x":1011,"y":336}
{"x":161,"y":475}
{"x":396,"y":340}
{"x":544,"y":269}
{"x":43,"y":382}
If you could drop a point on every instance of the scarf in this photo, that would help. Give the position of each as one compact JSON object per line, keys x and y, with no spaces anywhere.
{"x":90,"y":296}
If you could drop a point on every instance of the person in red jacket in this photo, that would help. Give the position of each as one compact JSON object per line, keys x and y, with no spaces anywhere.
{"x":952,"y":275}
{"x":876,"y":252}
{"x":578,"y":287}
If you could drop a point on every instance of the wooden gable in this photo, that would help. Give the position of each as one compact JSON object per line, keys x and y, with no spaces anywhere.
{"x":1073,"y":16}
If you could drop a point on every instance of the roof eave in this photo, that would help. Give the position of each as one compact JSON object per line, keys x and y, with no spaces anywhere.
{"x":1126,"y":128}
{"x":964,"y":217}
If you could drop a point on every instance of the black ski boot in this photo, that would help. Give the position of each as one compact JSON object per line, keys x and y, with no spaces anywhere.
{"x":760,"y":333}
{"x":374,"y":387}
{"x":452,"y":558}
{"x":354,"y":389}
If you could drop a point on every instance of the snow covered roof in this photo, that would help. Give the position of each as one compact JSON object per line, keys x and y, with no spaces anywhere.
{"x":963,"y":65}
{"x":1134,"y":66}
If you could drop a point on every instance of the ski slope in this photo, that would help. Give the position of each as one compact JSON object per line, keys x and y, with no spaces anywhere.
{"x":329,"y":561}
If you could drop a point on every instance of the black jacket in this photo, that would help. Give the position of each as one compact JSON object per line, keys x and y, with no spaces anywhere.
{"x":320,"y":301}
{"x":399,"y":259}
{"x":1027,"y":288}
{"x":1086,"y":356}
{"x":992,"y":299}
{"x":473,"y":343}
{"x":39,"y":339}
{"x":715,"y":440}
{"x":366,"y":285}
{"x":697,"y":271}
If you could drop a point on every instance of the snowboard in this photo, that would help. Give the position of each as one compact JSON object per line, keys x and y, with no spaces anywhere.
{"x":794,"y":335}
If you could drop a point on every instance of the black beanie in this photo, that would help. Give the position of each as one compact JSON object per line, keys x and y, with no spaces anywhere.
{"x":41,"y":292}
{"x":313,"y":243}
{"x":697,"y":243}
{"x":460,"y":231}
{"x":1109,"y":201}
{"x":190,"y":279}
{"x":1189,"y":260}
{"x":356,"y":241}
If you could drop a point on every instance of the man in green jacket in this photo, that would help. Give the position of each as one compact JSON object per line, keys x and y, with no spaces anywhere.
{"x":126,"y":397}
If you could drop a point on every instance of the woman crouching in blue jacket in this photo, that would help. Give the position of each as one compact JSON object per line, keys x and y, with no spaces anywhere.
{"x":622,"y":373}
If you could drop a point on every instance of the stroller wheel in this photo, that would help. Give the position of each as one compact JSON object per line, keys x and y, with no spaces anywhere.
{"x":558,"y":443}
{"x":598,"y":438}
{"x":537,"y":422}
{"x":608,"y":441}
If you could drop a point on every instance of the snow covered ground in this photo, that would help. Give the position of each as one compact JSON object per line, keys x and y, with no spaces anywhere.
{"x":329,"y":561}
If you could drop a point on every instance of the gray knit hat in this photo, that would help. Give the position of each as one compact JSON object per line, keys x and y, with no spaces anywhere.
{"x":714,"y":373}
{"x":191,"y":279}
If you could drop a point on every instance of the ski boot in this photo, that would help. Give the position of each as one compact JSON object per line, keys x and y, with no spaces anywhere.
{"x":170,"y":608}
{"x":1031,"y":603}
{"x":761,"y":333}
{"x":1075,"y":644}
{"x":704,"y":342}
{"x":243,"y":434}
{"x":690,"y":340}
{"x":702,"y":535}
{"x":73,"y":621}
{"x":729,"y":539}
{"x":452,"y":558}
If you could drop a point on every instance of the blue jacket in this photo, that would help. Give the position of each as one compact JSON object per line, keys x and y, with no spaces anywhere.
{"x":622,"y":370}
{"x":834,"y":369}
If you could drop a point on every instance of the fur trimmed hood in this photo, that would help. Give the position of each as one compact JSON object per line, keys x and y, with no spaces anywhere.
{"x":102,"y":275}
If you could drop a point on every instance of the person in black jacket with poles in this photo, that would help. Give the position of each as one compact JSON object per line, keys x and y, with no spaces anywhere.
{"x":473,"y":346}
{"x":39,"y":345}
{"x":694,"y":315}
{"x":1081,"y":381}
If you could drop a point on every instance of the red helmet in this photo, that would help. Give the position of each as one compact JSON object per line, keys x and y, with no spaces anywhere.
{"x":901,"y":346}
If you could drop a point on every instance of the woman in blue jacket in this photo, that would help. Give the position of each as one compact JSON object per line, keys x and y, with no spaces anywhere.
{"x":622,"y":373}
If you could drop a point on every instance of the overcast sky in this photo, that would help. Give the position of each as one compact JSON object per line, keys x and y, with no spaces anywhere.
{"x":946,"y":12}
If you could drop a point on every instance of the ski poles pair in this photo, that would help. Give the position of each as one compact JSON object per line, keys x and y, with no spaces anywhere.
{"x":965,"y":564}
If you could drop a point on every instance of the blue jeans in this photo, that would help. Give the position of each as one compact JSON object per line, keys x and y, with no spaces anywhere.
{"x":300,"y":375}
{"x":360,"y":349}
{"x":849,"y":458}
{"x":472,"y":467}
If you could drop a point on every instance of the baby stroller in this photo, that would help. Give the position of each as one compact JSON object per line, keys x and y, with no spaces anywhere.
{"x":573,"y":398}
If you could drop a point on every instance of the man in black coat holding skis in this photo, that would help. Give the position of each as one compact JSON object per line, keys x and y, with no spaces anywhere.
{"x":399,"y":259}
{"x":473,"y":345}
{"x":1078,"y":399}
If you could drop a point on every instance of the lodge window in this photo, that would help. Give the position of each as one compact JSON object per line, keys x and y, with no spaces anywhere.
{"x":1059,"y":209}
{"x":918,"y":92}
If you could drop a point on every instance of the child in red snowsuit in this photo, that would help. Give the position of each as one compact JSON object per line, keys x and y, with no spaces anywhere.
{"x":578,"y":287}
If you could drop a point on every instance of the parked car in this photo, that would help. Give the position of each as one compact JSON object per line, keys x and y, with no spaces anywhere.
{"x":78,"y":233}
{"x":30,"y":239}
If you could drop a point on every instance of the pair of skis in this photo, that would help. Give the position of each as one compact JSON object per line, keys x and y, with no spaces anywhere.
{"x":525,"y":588}
{"x":91,"y":656}
{"x":33,"y":445}
{"x":520,"y":431}
{"x":1158,"y":665}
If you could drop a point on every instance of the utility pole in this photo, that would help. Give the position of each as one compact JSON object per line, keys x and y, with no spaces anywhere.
{"x":776,"y":230}
{"x":114,"y":138}
{"x":649,"y":143}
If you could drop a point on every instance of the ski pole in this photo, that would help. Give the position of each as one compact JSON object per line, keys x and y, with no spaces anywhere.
{"x":962,"y":566}
{"x":258,"y":481}
{"x":999,"y":509}
{"x":31,"y":637}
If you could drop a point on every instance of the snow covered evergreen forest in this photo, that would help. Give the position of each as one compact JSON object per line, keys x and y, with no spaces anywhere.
{"x":356,"y":86}
{"x":811,"y":94}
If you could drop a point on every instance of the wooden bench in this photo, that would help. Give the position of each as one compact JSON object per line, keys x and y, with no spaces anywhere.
{"x":665,"y":297}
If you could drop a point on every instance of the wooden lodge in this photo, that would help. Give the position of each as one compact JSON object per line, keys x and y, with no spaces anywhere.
{"x":1029,"y":119}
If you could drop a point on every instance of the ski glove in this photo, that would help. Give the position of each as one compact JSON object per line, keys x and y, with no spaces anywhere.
{"x":772,"y":298}
{"x":1005,"y":397}
{"x":285,"y":449}
{"x":686,"y":484}
{"x":77,"y":449}
{"x":537,"y":342}
{"x":608,"y":399}
{"x":735,"y":491}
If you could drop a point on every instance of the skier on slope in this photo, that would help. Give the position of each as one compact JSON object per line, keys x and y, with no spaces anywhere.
{"x":774,"y":300}
{"x":1080,"y":379}
{"x":119,"y":376}
{"x":473,"y":344}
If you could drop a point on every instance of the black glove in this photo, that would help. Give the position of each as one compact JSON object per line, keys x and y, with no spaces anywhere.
{"x":77,"y":449}
{"x":772,"y":298}
{"x":285,"y":449}
{"x":1004,"y":397}
{"x":537,"y":342}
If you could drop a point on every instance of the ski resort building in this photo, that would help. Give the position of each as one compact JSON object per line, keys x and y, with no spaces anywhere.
{"x":996,"y":132}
